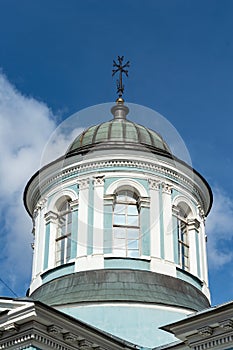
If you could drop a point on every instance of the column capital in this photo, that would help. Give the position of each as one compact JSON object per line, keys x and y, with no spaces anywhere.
{"x":40,"y":205}
{"x":98,"y":180}
{"x":201,"y":212}
{"x":166,"y":188}
{"x":154,"y":184}
{"x":83,"y":183}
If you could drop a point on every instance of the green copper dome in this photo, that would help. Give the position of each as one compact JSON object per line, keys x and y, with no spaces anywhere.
{"x":118,"y":132}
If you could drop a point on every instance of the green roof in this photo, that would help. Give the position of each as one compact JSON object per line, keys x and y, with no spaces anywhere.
{"x":118,"y":132}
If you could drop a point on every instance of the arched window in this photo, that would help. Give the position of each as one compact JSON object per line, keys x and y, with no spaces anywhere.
{"x":63,"y":240}
{"x":126,"y":225}
{"x":183,"y":238}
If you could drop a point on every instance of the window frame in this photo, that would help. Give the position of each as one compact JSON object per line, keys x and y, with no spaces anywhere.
{"x":183,"y":243}
{"x":130,"y":201}
{"x":64,"y":223}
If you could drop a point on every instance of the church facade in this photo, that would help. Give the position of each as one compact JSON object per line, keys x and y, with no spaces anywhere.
{"x":120,"y":249}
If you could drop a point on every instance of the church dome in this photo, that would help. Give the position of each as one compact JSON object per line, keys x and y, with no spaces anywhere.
{"x":118,"y":132}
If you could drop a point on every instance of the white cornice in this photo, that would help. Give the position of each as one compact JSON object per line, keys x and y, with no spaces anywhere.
{"x":38,"y":325}
{"x":181,"y":174}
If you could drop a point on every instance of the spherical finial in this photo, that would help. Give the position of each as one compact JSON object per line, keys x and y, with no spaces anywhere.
{"x":120,"y":101}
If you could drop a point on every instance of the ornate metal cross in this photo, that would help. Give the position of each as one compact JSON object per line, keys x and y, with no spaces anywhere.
{"x":121,"y":69}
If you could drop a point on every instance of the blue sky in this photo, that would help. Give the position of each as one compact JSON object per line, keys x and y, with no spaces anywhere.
{"x":56,"y":59}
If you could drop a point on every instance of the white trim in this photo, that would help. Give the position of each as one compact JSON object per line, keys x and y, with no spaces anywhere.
{"x":65,"y":192}
{"x":180,"y":198}
{"x":126,"y":182}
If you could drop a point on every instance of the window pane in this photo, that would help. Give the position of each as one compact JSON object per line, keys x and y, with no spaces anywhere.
{"x":69,"y":225}
{"x":119,"y":219}
{"x":68,"y":248}
{"x":119,"y":209}
{"x":69,"y":217}
{"x":133,"y":253}
{"x":119,"y":232}
{"x":132,"y":210}
{"x":119,"y":243}
{"x":133,"y":220}
{"x":132,"y":233}
{"x":121,"y":196}
{"x":133,"y":244}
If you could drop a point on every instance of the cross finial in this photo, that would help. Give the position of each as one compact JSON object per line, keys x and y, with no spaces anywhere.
{"x":120,"y":67}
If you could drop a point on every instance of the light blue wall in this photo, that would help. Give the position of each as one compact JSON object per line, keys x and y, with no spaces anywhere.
{"x":185,"y":276}
{"x":126,"y":263}
{"x":46,"y":248}
{"x":58,"y":272}
{"x":198,"y":255}
{"x":74,"y":233}
{"x":108,"y":228}
{"x":175,"y":239}
{"x":133,"y":323}
{"x":145,"y":230}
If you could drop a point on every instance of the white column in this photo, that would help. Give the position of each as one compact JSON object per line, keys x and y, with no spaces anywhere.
{"x":193,"y":226}
{"x":40,"y":237}
{"x":36,"y":223}
{"x":167,"y":222}
{"x":98,"y":220}
{"x":39,"y":231}
{"x":202,"y":237}
{"x":154,"y":219}
{"x":83,"y":217}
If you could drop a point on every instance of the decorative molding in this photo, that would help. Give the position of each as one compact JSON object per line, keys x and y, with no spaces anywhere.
{"x":201,"y":212}
{"x":226,"y":324}
{"x":109,"y":199}
{"x":161,"y":170}
{"x":70,"y":337}
{"x":175,"y":210}
{"x":54,"y":341}
{"x":74,"y":204}
{"x":50,"y":217}
{"x":166,"y":188}
{"x":154,"y":184}
{"x":83,"y":184}
{"x":205,"y":331}
{"x":193,"y":224}
{"x":85,"y":344}
{"x":12,"y":327}
{"x":98,"y":180}
{"x":144,"y":202}
{"x":39,"y":206}
{"x":54,"y":329}
{"x":217,"y":343}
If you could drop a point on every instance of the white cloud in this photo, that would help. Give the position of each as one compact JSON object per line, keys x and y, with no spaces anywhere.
{"x":219,"y":227}
{"x":25,"y":127}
